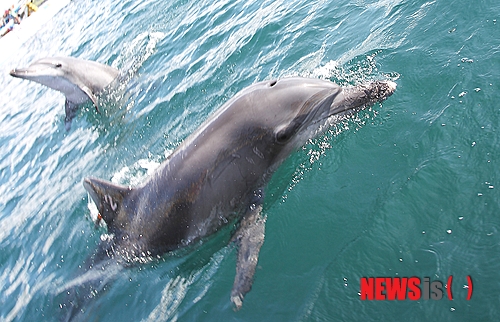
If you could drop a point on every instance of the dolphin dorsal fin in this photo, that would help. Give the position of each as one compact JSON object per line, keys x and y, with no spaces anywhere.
{"x":109,"y":198}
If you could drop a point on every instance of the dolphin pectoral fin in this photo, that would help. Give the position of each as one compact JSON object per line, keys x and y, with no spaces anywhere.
{"x":109,"y":198}
{"x":249,"y":237}
{"x":70,"y":108}
{"x":92,"y":97}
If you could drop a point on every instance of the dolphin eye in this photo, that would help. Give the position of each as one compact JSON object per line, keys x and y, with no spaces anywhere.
{"x":272,"y":83}
{"x":58,"y":65}
{"x":284,"y":135}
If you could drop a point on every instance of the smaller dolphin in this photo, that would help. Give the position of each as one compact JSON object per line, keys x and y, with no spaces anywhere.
{"x":78,"y":79}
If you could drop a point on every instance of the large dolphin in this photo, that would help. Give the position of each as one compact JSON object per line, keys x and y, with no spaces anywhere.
{"x":216,"y":177}
{"x":78,"y":79}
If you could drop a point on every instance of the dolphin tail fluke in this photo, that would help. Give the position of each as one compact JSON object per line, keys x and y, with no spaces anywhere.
{"x":249,"y":237}
{"x":108,"y":198}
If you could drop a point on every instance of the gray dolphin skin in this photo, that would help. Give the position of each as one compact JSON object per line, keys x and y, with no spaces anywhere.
{"x":78,"y":79}
{"x":217,"y":176}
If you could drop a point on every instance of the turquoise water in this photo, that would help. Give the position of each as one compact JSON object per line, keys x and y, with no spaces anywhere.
{"x":408,"y":189}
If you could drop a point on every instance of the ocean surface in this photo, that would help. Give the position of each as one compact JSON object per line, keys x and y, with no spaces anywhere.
{"x":410,"y":188}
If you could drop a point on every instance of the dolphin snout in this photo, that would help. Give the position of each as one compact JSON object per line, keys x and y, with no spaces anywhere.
{"x":18,"y":72}
{"x":358,"y":97}
{"x":376,"y":91}
{"x":391,"y":86}
{"x":386,"y":89}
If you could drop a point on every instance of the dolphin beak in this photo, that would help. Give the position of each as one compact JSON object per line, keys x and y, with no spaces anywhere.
{"x":391,"y":87}
{"x":385,"y":89}
{"x":18,"y":72}
{"x":357,"y":97}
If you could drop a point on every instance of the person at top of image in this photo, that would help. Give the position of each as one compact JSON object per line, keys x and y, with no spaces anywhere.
{"x":9,"y":18}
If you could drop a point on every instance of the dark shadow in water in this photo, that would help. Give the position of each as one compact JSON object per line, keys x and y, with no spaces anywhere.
{"x":80,"y":298}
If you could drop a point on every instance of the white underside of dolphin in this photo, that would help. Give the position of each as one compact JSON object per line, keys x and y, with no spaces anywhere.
{"x":78,"y":79}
